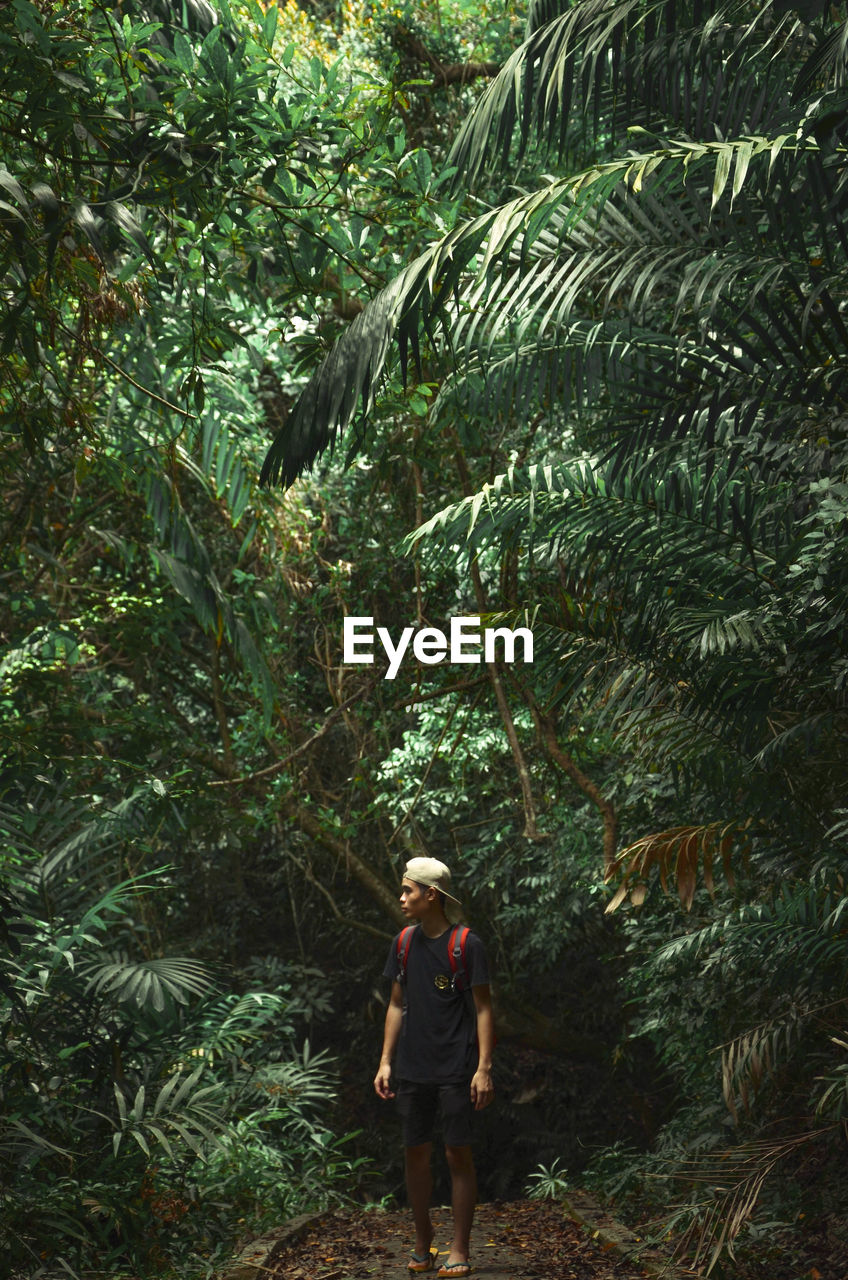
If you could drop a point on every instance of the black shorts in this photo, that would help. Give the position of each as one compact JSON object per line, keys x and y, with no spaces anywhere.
{"x":418,"y":1103}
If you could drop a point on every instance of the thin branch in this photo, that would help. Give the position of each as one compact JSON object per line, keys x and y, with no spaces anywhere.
{"x":461,"y":686}
{"x":547,"y":732}
{"x":151,"y":395}
{"x":312,"y":825}
{"x":531,"y":829}
{"x":373,"y":932}
{"x":298,"y":751}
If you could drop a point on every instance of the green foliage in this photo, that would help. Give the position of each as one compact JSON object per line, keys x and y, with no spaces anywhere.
{"x":191,"y":208}
{"x":747,"y":1008}
{"x":547,"y":1183}
{"x":448,"y":784}
{"x":639,"y":443}
{"x":189,"y":212}
{"x":698,"y":535}
{"x":786,"y":964}
{"x":664,"y":298}
{"x":133,"y":1094}
{"x":168,"y":158}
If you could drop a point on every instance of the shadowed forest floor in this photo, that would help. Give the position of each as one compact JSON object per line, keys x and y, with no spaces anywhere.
{"x":514,"y":1241}
{"x":522,"y":1240}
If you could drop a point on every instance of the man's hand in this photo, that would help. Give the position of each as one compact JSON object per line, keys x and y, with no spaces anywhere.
{"x":382,"y":1080}
{"x":482,"y":1088}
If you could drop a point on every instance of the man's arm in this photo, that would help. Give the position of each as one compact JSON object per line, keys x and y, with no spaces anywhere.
{"x":482,"y":1087}
{"x":391,"y":1034}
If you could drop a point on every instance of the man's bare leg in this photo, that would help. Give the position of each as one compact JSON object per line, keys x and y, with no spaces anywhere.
{"x":419,"y":1189}
{"x":463,"y":1200}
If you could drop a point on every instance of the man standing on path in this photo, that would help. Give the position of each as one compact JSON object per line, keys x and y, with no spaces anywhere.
{"x":439,"y":1020}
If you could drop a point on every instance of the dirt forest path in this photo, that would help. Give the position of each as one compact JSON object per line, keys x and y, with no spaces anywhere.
{"x":517,"y":1240}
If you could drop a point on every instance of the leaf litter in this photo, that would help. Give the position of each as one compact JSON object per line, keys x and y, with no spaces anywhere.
{"x":519,"y":1240}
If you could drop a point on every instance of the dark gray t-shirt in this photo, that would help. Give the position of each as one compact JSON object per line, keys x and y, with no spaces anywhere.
{"x":438,"y":1039}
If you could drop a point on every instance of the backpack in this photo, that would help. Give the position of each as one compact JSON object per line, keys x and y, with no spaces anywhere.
{"x":456,"y":954}
{"x":456,"y":957}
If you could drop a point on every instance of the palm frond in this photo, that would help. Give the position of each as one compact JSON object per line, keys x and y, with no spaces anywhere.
{"x":706,"y":69}
{"x":833,"y":1098}
{"x":182,"y":1113}
{"x":299,"y":1082}
{"x":676,"y":854}
{"x":347,"y":380}
{"x":345,"y":384}
{"x":827,"y":63}
{"x":237,"y":1020}
{"x":734,"y":1179}
{"x":749,"y":1059}
{"x":792,"y":927}
{"x":149,"y":984}
{"x":584,"y":509}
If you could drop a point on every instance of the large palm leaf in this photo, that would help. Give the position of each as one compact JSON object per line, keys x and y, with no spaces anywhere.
{"x":629,"y":51}
{"x":645,"y":556}
{"x":589,"y":71}
{"x":486,"y":254}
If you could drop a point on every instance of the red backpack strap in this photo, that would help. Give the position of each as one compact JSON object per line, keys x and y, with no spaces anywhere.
{"x":404,"y":942}
{"x":456,"y":955}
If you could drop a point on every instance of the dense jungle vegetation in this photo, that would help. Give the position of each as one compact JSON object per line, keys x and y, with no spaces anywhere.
{"x":411,"y":311}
